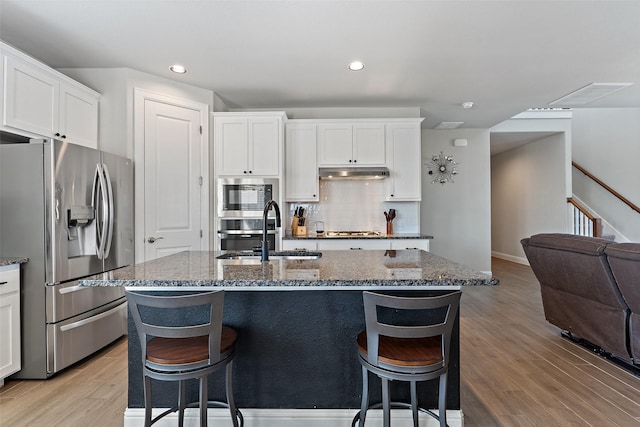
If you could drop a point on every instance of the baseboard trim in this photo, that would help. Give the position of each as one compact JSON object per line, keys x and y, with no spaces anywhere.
{"x":134,"y":417}
{"x":512,"y":258}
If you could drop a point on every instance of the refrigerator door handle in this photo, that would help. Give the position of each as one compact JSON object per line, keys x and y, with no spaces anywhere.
{"x":100,"y":205}
{"x":109,"y":208}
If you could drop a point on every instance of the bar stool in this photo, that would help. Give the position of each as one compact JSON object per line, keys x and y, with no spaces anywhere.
{"x":178,"y":353}
{"x":401,"y":352}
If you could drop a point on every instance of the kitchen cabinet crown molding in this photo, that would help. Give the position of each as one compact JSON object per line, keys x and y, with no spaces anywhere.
{"x":6,"y":49}
{"x":280,"y":114}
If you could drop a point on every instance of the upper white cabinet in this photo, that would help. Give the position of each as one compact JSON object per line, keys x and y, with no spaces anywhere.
{"x":78,"y":120}
{"x":301,"y":167}
{"x":41,"y":101}
{"x":404,"y":157}
{"x":9,"y":320}
{"x":354,"y":144}
{"x":248,"y":144}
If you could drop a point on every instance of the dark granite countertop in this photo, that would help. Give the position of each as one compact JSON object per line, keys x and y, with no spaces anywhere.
{"x":10,"y":260}
{"x":335,"y":270}
{"x":313,"y":236}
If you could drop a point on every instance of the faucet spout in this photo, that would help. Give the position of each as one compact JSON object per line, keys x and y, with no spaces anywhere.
{"x":265,"y":214}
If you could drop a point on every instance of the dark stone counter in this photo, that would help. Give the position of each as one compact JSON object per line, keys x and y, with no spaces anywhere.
{"x":313,"y":236}
{"x":336,"y":270}
{"x":11,"y":260}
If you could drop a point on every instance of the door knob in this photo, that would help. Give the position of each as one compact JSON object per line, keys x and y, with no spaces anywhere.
{"x":153,"y":239}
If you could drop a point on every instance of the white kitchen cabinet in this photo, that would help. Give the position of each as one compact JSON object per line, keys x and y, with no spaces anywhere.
{"x":345,"y":244}
{"x":39,"y":100}
{"x":353,"y":144}
{"x":9,"y":320}
{"x":399,"y":244}
{"x":299,"y":244}
{"x":404,"y":159}
{"x":354,"y":244}
{"x":248,"y":144}
{"x":301,"y":166}
{"x":78,"y":117}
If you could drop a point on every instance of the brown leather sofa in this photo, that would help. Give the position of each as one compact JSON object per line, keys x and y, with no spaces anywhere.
{"x":580,"y":293}
{"x":624,"y":259}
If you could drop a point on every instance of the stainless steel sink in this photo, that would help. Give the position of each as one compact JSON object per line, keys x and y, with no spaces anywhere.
{"x":272,"y":255}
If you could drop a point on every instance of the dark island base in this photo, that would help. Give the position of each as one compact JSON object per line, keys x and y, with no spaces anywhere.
{"x":295,"y":350}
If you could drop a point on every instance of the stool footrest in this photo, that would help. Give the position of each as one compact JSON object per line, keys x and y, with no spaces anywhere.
{"x":394,"y":405}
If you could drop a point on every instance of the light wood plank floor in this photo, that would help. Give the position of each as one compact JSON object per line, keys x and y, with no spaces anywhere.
{"x":516,"y":371}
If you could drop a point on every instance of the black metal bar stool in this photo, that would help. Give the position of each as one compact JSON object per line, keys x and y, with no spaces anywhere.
{"x":411,"y":353}
{"x":179,"y":353}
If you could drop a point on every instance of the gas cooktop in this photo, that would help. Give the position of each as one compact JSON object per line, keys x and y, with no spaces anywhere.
{"x":353,"y":233}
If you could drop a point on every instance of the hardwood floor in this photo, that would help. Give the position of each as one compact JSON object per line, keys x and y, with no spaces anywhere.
{"x":516,"y":371}
{"x":90,"y":393}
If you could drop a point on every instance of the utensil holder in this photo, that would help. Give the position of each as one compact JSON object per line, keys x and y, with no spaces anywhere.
{"x":389,"y":227}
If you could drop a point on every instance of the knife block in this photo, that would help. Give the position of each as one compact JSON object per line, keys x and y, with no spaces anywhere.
{"x":298,"y":230}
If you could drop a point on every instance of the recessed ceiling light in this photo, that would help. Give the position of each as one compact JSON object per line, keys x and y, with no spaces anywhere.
{"x":177,"y":68}
{"x":467,"y":104}
{"x":356,"y":66}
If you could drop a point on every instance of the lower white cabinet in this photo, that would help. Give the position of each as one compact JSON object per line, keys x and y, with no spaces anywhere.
{"x":410,"y":244}
{"x":9,"y":320}
{"x":293,"y":245}
{"x":354,"y":244}
{"x":346,"y":244}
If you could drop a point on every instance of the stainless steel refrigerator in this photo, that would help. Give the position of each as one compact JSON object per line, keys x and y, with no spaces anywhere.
{"x":69,"y":209}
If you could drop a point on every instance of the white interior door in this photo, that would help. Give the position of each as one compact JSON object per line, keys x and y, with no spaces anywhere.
{"x":173,"y":180}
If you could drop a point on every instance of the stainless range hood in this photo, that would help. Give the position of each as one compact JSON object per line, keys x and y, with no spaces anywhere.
{"x":353,"y":172}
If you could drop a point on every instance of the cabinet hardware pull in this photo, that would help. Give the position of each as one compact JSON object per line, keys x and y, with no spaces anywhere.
{"x":57,"y":134}
{"x":3,"y":283}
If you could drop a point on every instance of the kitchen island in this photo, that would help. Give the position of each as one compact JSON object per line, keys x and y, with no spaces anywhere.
{"x":297,"y":321}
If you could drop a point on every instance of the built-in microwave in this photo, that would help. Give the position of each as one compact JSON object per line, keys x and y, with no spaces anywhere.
{"x":245,"y":197}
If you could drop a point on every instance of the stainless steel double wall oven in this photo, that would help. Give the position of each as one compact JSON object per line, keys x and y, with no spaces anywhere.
{"x":240,"y":206}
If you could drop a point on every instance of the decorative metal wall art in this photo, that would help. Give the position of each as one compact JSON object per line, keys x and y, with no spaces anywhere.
{"x":443,"y":168}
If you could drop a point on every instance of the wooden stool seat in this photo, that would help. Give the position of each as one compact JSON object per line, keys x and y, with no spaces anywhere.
{"x":405,"y":351}
{"x":177,"y":351}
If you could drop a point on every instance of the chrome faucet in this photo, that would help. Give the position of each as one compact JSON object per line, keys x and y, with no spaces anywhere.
{"x":265,"y":243}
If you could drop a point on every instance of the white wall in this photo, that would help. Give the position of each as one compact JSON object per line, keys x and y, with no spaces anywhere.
{"x":606,"y":141}
{"x":458,"y":214}
{"x":527,"y":195}
{"x":116,"y":104}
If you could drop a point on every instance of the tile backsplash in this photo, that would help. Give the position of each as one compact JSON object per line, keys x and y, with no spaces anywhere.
{"x":356,"y":205}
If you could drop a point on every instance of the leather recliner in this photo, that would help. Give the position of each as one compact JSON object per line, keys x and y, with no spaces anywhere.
{"x":624,"y":259}
{"x":579,"y":291}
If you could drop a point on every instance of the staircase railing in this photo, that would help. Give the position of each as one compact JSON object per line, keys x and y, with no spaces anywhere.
{"x":606,"y":187}
{"x":584,"y":224}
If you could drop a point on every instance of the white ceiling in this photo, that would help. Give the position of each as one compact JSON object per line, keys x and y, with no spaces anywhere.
{"x":505,"y":56}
